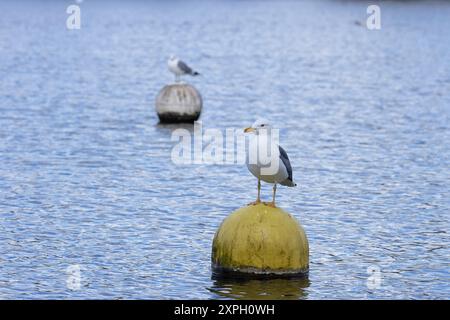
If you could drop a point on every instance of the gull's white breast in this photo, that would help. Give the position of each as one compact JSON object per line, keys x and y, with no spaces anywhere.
{"x":173,"y":67}
{"x":260,"y":160}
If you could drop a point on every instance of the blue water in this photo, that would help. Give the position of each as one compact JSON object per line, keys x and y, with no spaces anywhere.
{"x":86,"y":177}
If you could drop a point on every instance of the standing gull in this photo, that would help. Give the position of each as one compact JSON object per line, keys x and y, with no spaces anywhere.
{"x":179,"y":68}
{"x":266,"y":160}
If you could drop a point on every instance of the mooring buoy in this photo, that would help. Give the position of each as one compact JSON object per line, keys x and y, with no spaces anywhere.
{"x":262,"y":241}
{"x":179,"y":102}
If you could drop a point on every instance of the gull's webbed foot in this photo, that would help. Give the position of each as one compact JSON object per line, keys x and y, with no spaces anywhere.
{"x":254,"y":203}
{"x":270,"y":204}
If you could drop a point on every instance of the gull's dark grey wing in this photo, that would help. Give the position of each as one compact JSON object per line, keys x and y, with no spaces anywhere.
{"x":284,"y":157}
{"x":184,"y":67}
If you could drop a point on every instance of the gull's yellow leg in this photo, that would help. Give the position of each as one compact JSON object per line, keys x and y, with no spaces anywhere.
{"x":258,"y":200}
{"x":272,"y":204}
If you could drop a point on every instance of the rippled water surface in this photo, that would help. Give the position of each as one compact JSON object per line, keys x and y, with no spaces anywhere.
{"x":86,"y":177}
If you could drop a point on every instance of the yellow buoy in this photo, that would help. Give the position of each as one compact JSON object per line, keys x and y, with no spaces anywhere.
{"x":260,"y":240}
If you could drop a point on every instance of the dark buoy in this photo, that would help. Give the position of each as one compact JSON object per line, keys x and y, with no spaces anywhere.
{"x":177,"y":103}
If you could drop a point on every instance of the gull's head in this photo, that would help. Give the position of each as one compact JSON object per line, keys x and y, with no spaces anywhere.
{"x":172,"y":57}
{"x":258,"y":126}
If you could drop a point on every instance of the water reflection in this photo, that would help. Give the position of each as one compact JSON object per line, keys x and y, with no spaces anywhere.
{"x":270,"y":289}
{"x":173,"y":126}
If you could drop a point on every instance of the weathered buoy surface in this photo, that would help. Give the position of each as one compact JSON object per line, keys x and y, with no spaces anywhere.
{"x":260,"y":241}
{"x":178,"y":103}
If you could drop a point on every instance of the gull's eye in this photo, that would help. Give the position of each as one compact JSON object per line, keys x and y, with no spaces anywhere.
{"x":262,"y":125}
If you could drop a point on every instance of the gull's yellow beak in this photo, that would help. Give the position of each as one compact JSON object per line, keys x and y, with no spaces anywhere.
{"x":249,"y":129}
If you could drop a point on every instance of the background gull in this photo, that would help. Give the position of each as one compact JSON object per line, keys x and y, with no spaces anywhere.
{"x":180,"y":68}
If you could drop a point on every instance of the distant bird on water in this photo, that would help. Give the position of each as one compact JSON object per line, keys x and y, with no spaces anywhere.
{"x":179,"y":68}
{"x":274,"y":167}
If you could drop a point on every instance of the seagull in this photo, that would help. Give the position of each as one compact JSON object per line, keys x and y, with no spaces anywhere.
{"x":179,"y":68}
{"x":273,"y":166}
